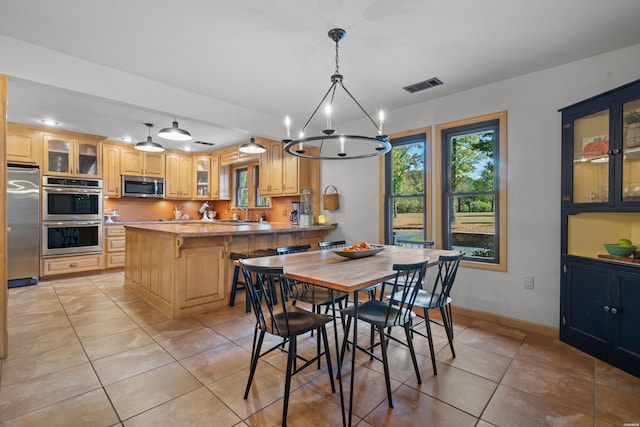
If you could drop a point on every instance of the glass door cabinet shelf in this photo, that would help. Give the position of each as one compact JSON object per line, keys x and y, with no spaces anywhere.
{"x":600,"y":187}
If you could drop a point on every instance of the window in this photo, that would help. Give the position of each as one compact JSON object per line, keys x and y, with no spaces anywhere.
{"x":242,"y":187}
{"x":247,"y":188}
{"x":261,"y":201}
{"x":473,"y":189}
{"x":407,"y":187}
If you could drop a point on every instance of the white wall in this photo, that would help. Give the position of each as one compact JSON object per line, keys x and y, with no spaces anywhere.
{"x":534,"y":138}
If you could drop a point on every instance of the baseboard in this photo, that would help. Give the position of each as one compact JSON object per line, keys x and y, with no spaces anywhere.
{"x":511,"y":322}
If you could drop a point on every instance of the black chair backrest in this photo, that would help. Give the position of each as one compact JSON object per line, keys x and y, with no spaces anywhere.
{"x":415,"y":243}
{"x":405,"y":286}
{"x":293,"y":249}
{"x":262,"y":286}
{"x":331,"y":245}
{"x":447,"y":270}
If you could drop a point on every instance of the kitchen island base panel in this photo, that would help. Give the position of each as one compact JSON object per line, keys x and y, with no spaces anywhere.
{"x":182,"y":274}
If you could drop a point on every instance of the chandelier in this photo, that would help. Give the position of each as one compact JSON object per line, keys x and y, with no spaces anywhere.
{"x":331,"y":145}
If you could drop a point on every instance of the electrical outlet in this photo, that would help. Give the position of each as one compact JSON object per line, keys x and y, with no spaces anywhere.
{"x":528,"y":282}
{"x":284,"y":212}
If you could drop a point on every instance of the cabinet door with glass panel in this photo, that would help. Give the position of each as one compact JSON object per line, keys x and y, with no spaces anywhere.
{"x":601,"y":151}
{"x":69,"y":156}
{"x":202,"y":177}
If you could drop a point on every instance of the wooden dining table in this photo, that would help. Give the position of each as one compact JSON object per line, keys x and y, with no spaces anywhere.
{"x":327,"y":269}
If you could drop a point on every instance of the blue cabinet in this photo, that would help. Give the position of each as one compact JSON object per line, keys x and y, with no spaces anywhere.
{"x":600,"y":313}
{"x":600,"y":297}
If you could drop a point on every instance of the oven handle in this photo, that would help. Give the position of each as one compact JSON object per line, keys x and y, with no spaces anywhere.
{"x":69,"y":223}
{"x":73,"y":190}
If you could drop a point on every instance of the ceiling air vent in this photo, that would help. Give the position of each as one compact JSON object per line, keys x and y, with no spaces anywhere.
{"x":204,"y":143}
{"x":416,"y":87}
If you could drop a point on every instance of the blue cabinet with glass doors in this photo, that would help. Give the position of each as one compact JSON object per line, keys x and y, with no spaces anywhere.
{"x":600,"y":294}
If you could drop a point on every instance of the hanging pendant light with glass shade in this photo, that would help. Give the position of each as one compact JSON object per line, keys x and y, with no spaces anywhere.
{"x":252,"y":147}
{"x":332,"y":145}
{"x":174,"y":133}
{"x":149,"y":144}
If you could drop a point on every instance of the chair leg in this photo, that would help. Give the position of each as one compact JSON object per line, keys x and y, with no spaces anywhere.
{"x":447,"y":321}
{"x":345,"y":339}
{"x":427,"y":322}
{"x":317,"y":310}
{"x":407,"y":332}
{"x":255,"y":355}
{"x":323,"y":331}
{"x":385,"y":363}
{"x":287,"y":383}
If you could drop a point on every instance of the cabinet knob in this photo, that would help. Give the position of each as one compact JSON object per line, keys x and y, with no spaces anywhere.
{"x":74,"y":264}
{"x":606,"y":308}
{"x":614,"y":310}
{"x":609,"y":152}
{"x":617,"y":151}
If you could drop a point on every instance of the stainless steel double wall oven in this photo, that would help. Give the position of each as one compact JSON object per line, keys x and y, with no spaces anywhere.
{"x":72,"y":216}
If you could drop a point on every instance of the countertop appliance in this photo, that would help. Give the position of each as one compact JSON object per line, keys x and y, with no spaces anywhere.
{"x":23,"y":220}
{"x":142,"y":186}
{"x":294,"y":213}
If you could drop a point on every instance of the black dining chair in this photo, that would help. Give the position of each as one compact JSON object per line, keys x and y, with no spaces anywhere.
{"x":331,"y":245}
{"x":415,"y":243}
{"x":385,"y":313}
{"x":282,"y":320}
{"x":316,"y":296}
{"x":438,"y":297}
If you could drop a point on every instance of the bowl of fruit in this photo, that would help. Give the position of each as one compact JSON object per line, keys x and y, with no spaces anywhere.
{"x":623,"y":248}
{"x":359,"y":250}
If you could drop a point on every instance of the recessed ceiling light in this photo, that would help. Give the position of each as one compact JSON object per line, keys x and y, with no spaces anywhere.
{"x":187,"y":148}
{"x":49,"y":122}
{"x":127,"y":139}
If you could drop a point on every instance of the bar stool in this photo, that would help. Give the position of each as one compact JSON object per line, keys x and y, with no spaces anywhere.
{"x":238,"y":284}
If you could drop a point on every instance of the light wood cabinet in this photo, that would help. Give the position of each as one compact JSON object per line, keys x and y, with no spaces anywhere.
{"x":178,"y":177}
{"x":271,"y":166}
{"x":114,"y":246}
{"x":203,"y":177}
{"x":67,"y":154}
{"x":283,"y":174}
{"x":178,"y":276}
{"x":140,"y":163}
{"x":111,"y":181}
{"x":24,"y":144}
{"x":71,"y":264}
{"x":234,"y":156}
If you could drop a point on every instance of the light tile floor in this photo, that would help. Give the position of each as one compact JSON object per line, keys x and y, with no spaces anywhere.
{"x":86,"y":352}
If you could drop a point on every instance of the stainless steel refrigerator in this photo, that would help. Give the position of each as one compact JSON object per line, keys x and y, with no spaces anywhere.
{"x":23,"y":225}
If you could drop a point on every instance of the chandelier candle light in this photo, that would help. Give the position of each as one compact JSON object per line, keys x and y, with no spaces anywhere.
{"x":331,"y":145}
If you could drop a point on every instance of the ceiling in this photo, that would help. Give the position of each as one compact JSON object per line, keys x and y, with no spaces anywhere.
{"x":228,"y":70}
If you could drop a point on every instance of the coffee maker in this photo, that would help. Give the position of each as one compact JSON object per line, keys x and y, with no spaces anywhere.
{"x":294,"y":213}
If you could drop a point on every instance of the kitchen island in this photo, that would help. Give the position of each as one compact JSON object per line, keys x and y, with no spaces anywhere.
{"x":183,"y":269}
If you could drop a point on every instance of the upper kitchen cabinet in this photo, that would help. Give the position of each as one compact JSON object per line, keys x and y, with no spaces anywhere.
{"x":24,"y":144}
{"x":141,"y":163}
{"x":271,"y":168}
{"x":111,"y":181}
{"x":178,"y":180}
{"x":601,"y":152}
{"x":202,"y":177}
{"x":283,"y":174}
{"x":75,"y":155}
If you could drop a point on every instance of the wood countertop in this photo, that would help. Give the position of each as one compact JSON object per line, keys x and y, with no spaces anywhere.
{"x":209,"y":229}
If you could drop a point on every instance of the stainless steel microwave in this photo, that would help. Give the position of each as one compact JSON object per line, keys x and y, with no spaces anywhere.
{"x":142,"y":186}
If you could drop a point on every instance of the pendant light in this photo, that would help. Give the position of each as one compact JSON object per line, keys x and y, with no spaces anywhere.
{"x":252,"y":147}
{"x":149,"y":145}
{"x":332,"y":145}
{"x":174,"y":133}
